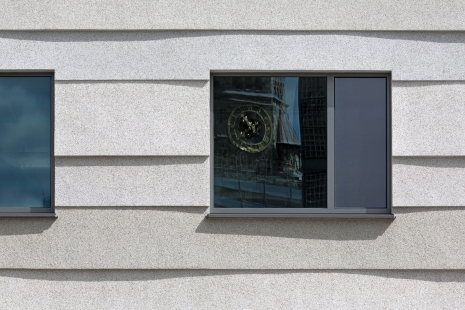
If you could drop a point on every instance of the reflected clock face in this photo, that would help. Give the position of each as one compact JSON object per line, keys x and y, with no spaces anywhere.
{"x":249,"y":128}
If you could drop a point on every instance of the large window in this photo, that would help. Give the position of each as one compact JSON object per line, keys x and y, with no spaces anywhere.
{"x":301,"y":145}
{"x":26,"y":144}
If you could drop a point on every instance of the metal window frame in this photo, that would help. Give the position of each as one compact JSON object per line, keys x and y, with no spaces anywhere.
{"x":38,"y":212}
{"x":330,"y":211}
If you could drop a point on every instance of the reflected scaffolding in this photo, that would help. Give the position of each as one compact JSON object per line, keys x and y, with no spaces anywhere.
{"x":270,"y":142}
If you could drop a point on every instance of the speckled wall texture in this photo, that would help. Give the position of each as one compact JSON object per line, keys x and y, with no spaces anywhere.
{"x":182,"y":238}
{"x":235,"y":289}
{"x":238,"y":14}
{"x":191,"y":55}
{"x":427,"y":118}
{"x":141,"y":118}
{"x":132,"y":146}
{"x":132,"y":181}
{"x":119,"y":118}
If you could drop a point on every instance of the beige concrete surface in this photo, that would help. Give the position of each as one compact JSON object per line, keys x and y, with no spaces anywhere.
{"x":241,"y":14}
{"x":428,"y":181}
{"x":182,"y":238}
{"x":427,"y":118}
{"x":132,"y":118}
{"x":132,"y":181}
{"x":185,"y":55}
{"x":232,"y":289}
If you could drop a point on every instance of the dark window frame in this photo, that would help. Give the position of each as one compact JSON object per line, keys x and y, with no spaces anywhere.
{"x":329,"y":212}
{"x":44,"y":211}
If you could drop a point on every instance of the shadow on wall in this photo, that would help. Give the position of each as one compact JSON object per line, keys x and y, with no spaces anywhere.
{"x":322,"y":229}
{"x":439,"y":276}
{"x":25,"y":226}
{"x":140,"y":36}
{"x":190,"y":83}
{"x":127,"y":161}
{"x":430,"y":162}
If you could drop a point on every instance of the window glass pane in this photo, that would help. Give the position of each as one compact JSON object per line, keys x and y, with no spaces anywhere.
{"x":25,"y":141}
{"x":270,"y":142}
{"x":360,"y":143}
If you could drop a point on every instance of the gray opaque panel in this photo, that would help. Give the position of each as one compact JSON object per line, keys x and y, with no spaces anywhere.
{"x":25,"y":141}
{"x":360,"y":143}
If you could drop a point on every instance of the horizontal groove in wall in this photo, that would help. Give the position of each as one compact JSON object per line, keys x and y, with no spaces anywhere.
{"x":395,"y":83}
{"x":127,"y":157}
{"x":270,"y":29}
{"x":236,"y":271}
{"x":459,"y":157}
{"x":182,"y":209}
{"x":232,"y":30}
{"x":232,"y":289}
{"x":183,"y":238}
{"x":154,"y":81}
{"x":173,"y":55}
{"x":203,"y":209}
{"x":85,"y":161}
{"x":160,"y":156}
{"x":402,"y":83}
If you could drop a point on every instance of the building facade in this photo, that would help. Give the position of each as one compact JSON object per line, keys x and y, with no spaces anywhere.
{"x":133,"y":170}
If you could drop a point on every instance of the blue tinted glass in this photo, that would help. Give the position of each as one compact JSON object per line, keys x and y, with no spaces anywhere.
{"x":25,"y":174}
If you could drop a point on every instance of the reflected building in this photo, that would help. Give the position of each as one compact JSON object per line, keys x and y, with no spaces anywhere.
{"x":313,"y":126}
{"x":272,"y":177}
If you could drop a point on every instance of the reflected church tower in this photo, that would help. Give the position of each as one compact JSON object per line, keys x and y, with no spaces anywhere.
{"x":264,"y":176}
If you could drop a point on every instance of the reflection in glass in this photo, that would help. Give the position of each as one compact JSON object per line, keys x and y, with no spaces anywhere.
{"x":270,"y":142}
{"x":25,"y":108}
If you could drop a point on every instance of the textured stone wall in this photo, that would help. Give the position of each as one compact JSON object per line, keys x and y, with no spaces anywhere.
{"x":233,"y":289}
{"x":241,"y":14}
{"x":132,"y":167}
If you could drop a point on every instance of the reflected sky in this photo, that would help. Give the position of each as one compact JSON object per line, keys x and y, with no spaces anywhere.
{"x":291,"y":88}
{"x":25,"y":141}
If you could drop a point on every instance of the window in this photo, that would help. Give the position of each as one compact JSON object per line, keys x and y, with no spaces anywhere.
{"x":293,"y":146}
{"x":26,"y":145}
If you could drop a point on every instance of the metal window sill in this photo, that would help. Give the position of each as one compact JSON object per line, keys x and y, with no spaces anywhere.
{"x":300,"y":215}
{"x":21,"y":214}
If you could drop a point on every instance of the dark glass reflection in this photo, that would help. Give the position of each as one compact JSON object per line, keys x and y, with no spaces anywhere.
{"x":25,"y":173}
{"x":270,"y":142}
{"x":360,"y":143}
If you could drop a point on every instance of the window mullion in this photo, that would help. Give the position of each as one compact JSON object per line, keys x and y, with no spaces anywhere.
{"x":330,"y":141}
